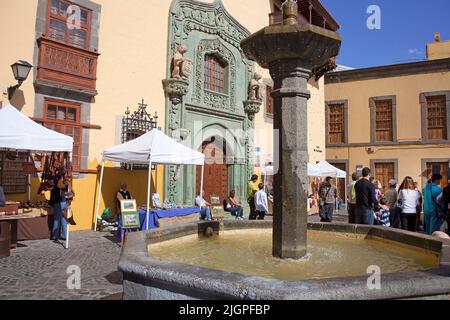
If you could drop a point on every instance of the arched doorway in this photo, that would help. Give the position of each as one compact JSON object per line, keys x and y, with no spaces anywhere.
{"x":216,"y":170}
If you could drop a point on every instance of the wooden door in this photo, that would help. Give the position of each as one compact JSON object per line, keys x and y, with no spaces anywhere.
{"x":441,"y":168}
{"x":340,"y":183}
{"x":385,"y":172}
{"x":215,"y":181}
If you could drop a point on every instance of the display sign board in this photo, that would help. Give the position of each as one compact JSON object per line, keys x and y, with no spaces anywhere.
{"x":130,"y":216}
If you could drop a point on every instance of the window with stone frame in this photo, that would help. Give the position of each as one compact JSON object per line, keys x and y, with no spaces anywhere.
{"x":436,"y":117}
{"x":61,"y":27}
{"x":215,"y":74}
{"x":384,"y":130}
{"x":269,"y":100}
{"x":336,"y":123}
{"x":64,"y":118}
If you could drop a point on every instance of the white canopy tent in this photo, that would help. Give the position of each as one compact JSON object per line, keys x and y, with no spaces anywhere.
{"x":269,"y":171}
{"x":325,"y":169}
{"x":18,"y":132}
{"x":312,"y":171}
{"x":154,"y":147}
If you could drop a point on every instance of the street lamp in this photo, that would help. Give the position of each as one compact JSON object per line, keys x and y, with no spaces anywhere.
{"x":20,"y":69}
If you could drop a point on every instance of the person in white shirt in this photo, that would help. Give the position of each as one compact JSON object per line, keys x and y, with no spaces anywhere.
{"x":408,"y":200}
{"x":261,"y":203}
{"x":205,"y":211}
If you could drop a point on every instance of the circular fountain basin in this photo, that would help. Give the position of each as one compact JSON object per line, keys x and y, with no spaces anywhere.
{"x":331,"y":255}
{"x":236,"y":263}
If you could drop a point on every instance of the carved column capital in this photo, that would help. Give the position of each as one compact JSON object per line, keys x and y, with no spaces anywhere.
{"x":252,"y":107}
{"x":175,"y":89}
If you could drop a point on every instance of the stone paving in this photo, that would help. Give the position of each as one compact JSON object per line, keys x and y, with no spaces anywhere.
{"x":37,"y":269}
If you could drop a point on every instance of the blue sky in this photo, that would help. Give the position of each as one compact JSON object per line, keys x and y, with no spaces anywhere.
{"x":406,"y":27}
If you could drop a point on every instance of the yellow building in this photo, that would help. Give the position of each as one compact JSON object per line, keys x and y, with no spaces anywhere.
{"x":94,"y":59}
{"x":394,"y":119}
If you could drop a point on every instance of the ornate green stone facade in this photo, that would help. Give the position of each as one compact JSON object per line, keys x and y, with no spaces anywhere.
{"x":193,"y":114}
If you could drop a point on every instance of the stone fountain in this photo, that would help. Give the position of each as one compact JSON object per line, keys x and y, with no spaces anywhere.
{"x":290,"y":51}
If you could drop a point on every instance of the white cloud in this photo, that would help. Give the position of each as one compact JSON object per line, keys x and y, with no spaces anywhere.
{"x":414,"y":51}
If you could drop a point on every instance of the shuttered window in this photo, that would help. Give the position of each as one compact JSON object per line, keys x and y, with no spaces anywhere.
{"x":336,"y":123}
{"x":383,"y":121}
{"x":215,"y":74}
{"x":437,"y":118}
{"x":64,"y":118}
{"x":69,"y":23}
{"x":269,"y":100}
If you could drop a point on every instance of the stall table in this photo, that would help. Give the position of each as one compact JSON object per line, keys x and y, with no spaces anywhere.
{"x":156,"y":214}
{"x":13,"y":221}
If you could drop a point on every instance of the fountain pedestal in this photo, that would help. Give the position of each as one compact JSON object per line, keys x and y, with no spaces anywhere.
{"x":291,"y":51}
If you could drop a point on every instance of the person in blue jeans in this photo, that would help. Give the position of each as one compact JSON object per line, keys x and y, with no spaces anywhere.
{"x":205,"y":207}
{"x":366,"y":200}
{"x":432,"y":196}
{"x":59,"y":204}
{"x":234,"y":206}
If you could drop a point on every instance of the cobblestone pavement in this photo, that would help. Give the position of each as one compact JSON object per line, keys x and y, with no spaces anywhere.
{"x":37,"y":269}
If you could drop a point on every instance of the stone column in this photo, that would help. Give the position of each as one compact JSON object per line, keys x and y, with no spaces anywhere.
{"x":291,"y":141}
{"x":175,"y":90}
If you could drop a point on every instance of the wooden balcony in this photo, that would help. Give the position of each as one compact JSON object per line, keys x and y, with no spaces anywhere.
{"x":66,"y":67}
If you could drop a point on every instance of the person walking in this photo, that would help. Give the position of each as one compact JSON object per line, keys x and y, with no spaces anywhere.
{"x":352,"y":199}
{"x":409,"y":199}
{"x":391,"y":197}
{"x":327,"y":195}
{"x":261,"y":202}
{"x":365,"y":199}
{"x":251,"y":191}
{"x":432,"y":196}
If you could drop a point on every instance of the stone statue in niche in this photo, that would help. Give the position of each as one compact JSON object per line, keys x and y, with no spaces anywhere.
{"x":182,"y":67}
{"x":255,"y":88}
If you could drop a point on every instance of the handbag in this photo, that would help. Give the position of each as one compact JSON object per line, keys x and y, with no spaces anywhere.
{"x":322,"y":201}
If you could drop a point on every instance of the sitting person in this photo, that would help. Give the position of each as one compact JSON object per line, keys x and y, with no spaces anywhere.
{"x":261,"y":203}
{"x":233,"y":206}
{"x":2,"y":198}
{"x":205,"y":207}
{"x":382,"y":214}
{"x":122,"y":194}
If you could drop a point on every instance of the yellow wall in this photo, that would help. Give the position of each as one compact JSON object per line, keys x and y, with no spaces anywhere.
{"x":407,"y":90}
{"x":438,"y":50}
{"x":132,"y":62}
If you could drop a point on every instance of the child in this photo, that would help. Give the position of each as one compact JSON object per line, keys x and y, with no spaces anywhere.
{"x":382,"y":214}
{"x":261,"y":203}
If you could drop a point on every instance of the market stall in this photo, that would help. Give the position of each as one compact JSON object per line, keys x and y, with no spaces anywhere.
{"x":152,"y":148}
{"x":18,"y":133}
{"x":325,"y":169}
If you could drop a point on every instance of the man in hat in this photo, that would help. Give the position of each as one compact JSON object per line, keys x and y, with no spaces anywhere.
{"x":391,"y":197}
